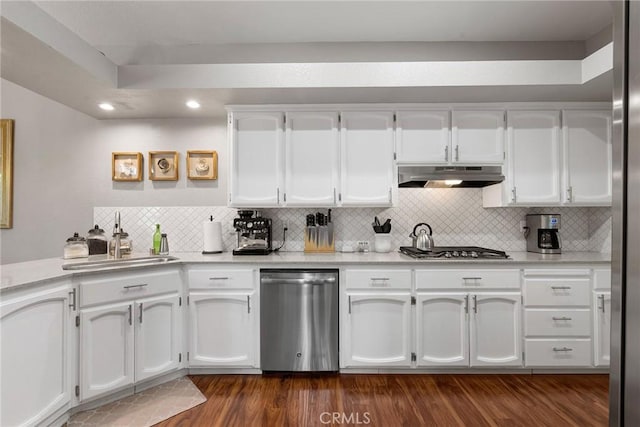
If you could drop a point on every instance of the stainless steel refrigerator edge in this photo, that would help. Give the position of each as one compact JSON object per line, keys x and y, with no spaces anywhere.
{"x":625,"y":255}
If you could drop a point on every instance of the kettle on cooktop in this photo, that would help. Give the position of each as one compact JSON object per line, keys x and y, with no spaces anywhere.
{"x":421,"y":239}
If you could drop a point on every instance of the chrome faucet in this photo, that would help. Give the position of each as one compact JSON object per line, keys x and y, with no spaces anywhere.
{"x":117,"y":232}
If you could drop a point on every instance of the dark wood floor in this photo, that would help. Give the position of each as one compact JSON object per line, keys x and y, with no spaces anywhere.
{"x":399,"y":400}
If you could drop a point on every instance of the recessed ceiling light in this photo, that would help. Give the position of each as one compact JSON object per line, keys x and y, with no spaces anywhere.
{"x":193,"y":104}
{"x":106,"y":106}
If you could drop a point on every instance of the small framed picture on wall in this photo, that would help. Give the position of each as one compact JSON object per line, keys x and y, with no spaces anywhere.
{"x":163,"y":165}
{"x":126,"y":166}
{"x":202,"y":164}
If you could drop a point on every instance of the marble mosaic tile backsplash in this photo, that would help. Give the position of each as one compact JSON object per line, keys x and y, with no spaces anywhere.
{"x":456,"y":216}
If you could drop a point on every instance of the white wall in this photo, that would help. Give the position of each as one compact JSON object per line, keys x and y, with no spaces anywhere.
{"x":158,"y":135}
{"x":62,"y":169}
{"x":52,"y":161}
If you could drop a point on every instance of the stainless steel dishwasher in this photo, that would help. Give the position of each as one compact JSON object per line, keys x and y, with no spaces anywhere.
{"x":299,"y":320}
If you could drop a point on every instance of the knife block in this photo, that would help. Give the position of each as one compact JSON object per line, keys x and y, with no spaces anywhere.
{"x":319,"y":239}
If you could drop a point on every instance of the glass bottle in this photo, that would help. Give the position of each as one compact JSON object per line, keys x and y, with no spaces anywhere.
{"x":157,"y":238}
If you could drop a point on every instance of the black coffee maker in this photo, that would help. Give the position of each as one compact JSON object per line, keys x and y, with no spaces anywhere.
{"x":543,"y":233}
{"x":254,"y":233}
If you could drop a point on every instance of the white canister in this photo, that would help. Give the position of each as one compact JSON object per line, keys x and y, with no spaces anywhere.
{"x":212,"y":235}
{"x":382,"y":242}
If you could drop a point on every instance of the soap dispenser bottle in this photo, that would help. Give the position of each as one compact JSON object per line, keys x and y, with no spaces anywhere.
{"x":157,"y":238}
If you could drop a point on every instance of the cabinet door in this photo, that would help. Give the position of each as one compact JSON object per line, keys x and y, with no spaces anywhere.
{"x":256,"y":158}
{"x":478,"y":137}
{"x":106,"y":349}
{"x":533,"y":151}
{"x":35,"y":348}
{"x":602,"y":329}
{"x":376,"y":331}
{"x":423,"y":137}
{"x":223,"y":329}
{"x":311,"y":153}
{"x":442,"y":329}
{"x":587,"y":157}
{"x":368,"y":170}
{"x":495,"y":330}
{"x":157,"y":336}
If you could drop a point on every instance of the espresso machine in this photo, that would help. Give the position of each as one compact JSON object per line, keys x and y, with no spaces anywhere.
{"x":254,"y":233}
{"x":543,"y":233}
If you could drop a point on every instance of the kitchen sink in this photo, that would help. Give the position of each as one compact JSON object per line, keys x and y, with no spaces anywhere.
{"x":114,"y":263}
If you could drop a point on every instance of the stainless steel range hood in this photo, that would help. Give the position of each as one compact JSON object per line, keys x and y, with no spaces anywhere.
{"x":448,"y":176}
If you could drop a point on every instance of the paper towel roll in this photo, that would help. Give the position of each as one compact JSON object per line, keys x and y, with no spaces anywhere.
{"x":212,"y":232}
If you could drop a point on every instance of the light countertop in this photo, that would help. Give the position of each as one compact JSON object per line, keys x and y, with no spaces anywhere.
{"x":41,"y":271}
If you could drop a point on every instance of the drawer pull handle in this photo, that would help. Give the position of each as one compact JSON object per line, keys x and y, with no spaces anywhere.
{"x":129,"y":309}
{"x":562,"y":349}
{"x":136,"y":286}
{"x":379,"y":278}
{"x":218,"y":278}
{"x":72,"y":296}
{"x":559,"y":288}
{"x":141,"y":313}
{"x":561,"y":318}
{"x":475,"y":304}
{"x":601,"y":302}
{"x":475,"y":279}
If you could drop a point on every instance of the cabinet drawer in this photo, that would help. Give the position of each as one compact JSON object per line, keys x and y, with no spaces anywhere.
{"x":120,"y":287}
{"x":557,"y":323}
{"x":556,"y":292}
{"x":379,"y":279}
{"x":554,"y":352}
{"x":221,"y":279}
{"x":468,"y":279}
{"x":602,"y":279}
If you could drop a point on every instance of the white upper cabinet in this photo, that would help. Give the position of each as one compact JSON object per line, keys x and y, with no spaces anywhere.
{"x":477,"y":137}
{"x":549,"y":167}
{"x":423,"y":137}
{"x":311,"y":159}
{"x":533,"y":166}
{"x":256,"y":158}
{"x":368,"y":169}
{"x":587,"y":157}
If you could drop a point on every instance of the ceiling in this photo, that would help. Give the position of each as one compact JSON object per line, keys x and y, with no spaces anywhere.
{"x":123,"y":30}
{"x":133,"y":33}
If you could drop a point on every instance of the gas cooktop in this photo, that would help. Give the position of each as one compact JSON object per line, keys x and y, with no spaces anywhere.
{"x":451,"y":252}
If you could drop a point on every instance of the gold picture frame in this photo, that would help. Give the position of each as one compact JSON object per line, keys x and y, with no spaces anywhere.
{"x":126,"y":166}
{"x":202,"y":164}
{"x":163,"y":165}
{"x":6,"y":174}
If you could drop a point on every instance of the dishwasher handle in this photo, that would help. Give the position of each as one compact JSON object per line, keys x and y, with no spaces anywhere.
{"x":292,"y":281}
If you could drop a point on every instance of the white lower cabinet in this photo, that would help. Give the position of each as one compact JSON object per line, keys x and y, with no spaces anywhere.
{"x":158,"y":335}
{"x":602,"y":328}
{"x":443,"y":329}
{"x":223,"y":329}
{"x":557,"y":317}
{"x":35,"y":329}
{"x":495,"y":337}
{"x":377,"y":328}
{"x":224,"y":315}
{"x":106,"y":349}
{"x":130,"y":330}
{"x":460,"y":329}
